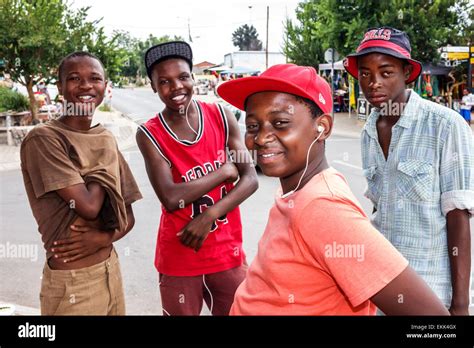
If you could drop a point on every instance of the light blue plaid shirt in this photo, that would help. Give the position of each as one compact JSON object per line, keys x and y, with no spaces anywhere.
{"x":429,"y":172}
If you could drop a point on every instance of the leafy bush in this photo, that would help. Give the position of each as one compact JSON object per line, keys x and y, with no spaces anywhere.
{"x":12,"y":100}
{"x":105,"y":107}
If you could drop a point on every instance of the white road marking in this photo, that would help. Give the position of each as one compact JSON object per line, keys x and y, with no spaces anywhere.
{"x":341,"y":140}
{"x":347,"y":164}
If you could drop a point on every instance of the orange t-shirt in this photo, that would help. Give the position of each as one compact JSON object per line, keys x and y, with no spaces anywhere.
{"x":319,"y":255}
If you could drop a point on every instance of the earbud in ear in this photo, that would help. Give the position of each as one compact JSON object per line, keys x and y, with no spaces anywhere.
{"x":321,"y":129}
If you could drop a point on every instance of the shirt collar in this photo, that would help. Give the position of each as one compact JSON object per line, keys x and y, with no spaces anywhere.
{"x":410,"y":110}
{"x":405,"y":121}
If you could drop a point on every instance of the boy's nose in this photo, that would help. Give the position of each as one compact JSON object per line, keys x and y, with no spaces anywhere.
{"x":374,"y":83}
{"x":85,"y":84}
{"x":263,"y":137}
{"x":177,"y":84}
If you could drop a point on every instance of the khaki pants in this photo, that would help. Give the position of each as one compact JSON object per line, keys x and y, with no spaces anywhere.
{"x":94,"y":290}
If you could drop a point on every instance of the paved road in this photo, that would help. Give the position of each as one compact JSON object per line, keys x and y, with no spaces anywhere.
{"x":138,"y":103}
{"x":21,"y":276}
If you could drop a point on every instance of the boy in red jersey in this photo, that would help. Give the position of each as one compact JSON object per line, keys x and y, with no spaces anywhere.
{"x":199,"y":249}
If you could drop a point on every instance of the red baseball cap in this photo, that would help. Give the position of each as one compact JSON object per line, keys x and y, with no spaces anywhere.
{"x":386,"y":40}
{"x":293,"y":79}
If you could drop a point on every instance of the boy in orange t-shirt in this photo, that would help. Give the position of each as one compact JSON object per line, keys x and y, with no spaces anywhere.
{"x":319,"y":254}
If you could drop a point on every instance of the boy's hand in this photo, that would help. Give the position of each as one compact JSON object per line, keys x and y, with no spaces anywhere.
{"x":84,"y":241}
{"x":195,"y":233}
{"x":458,"y":310}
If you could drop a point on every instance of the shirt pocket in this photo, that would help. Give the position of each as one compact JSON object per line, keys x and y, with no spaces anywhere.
{"x":373,"y":184}
{"x":415,"y":180}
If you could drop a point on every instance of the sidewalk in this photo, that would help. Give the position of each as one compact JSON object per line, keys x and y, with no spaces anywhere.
{"x":122,"y":127}
{"x":347,"y":125}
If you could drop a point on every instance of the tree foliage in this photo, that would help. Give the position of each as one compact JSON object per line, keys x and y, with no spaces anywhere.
{"x":134,"y":48}
{"x":341,"y":24}
{"x":37,"y":34}
{"x":245,"y":38}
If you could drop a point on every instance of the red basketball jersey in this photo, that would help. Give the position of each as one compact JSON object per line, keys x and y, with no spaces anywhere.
{"x":190,"y":160}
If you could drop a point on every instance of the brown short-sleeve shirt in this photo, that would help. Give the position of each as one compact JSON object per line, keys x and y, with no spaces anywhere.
{"x":55,"y":156}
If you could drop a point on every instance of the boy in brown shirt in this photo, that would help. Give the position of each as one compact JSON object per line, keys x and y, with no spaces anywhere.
{"x":80,"y":191}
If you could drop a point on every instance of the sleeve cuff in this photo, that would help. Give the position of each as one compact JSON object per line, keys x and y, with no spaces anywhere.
{"x":459,"y":199}
{"x":58,"y":185}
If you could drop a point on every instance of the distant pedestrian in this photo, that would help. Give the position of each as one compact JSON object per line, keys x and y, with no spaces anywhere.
{"x":466,"y":105}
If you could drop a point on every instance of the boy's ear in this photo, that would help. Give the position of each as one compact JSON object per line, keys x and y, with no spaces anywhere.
{"x":59,"y":85}
{"x":325,"y":121}
{"x":407,"y":70}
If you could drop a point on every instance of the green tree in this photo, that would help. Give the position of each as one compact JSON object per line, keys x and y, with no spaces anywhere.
{"x":245,"y":38}
{"x":150,"y":41}
{"x":302,"y":43}
{"x":429,"y":24}
{"x":341,"y":24}
{"x":37,"y":34}
{"x":130,"y":45}
{"x":134,"y":49}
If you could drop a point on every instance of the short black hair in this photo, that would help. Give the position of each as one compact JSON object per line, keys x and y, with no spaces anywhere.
{"x":75,"y":55}
{"x":313,"y":108}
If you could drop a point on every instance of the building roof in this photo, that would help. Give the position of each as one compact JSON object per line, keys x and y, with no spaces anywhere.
{"x":204,"y":65}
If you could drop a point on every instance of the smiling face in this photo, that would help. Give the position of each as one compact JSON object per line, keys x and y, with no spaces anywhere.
{"x":82,"y":84}
{"x":172,"y":80}
{"x":280,"y":128}
{"x":382,"y":78}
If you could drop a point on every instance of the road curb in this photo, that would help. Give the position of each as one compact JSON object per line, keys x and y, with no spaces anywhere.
{"x":20,"y":310}
{"x":346,"y":134}
{"x":9,"y":166}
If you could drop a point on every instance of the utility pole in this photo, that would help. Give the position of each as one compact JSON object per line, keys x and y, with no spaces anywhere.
{"x":332,"y":80}
{"x":189,"y":31}
{"x":470,"y":60}
{"x":266,"y":45}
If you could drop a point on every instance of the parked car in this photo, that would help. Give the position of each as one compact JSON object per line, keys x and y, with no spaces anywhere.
{"x":201,"y":87}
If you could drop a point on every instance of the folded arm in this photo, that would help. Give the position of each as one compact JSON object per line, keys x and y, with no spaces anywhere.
{"x":173,"y":195}
{"x":86,"y":200}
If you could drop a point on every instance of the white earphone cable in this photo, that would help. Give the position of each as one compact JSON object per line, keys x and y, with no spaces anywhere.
{"x":212,"y":300}
{"x":187,"y":120}
{"x":305,"y":168}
